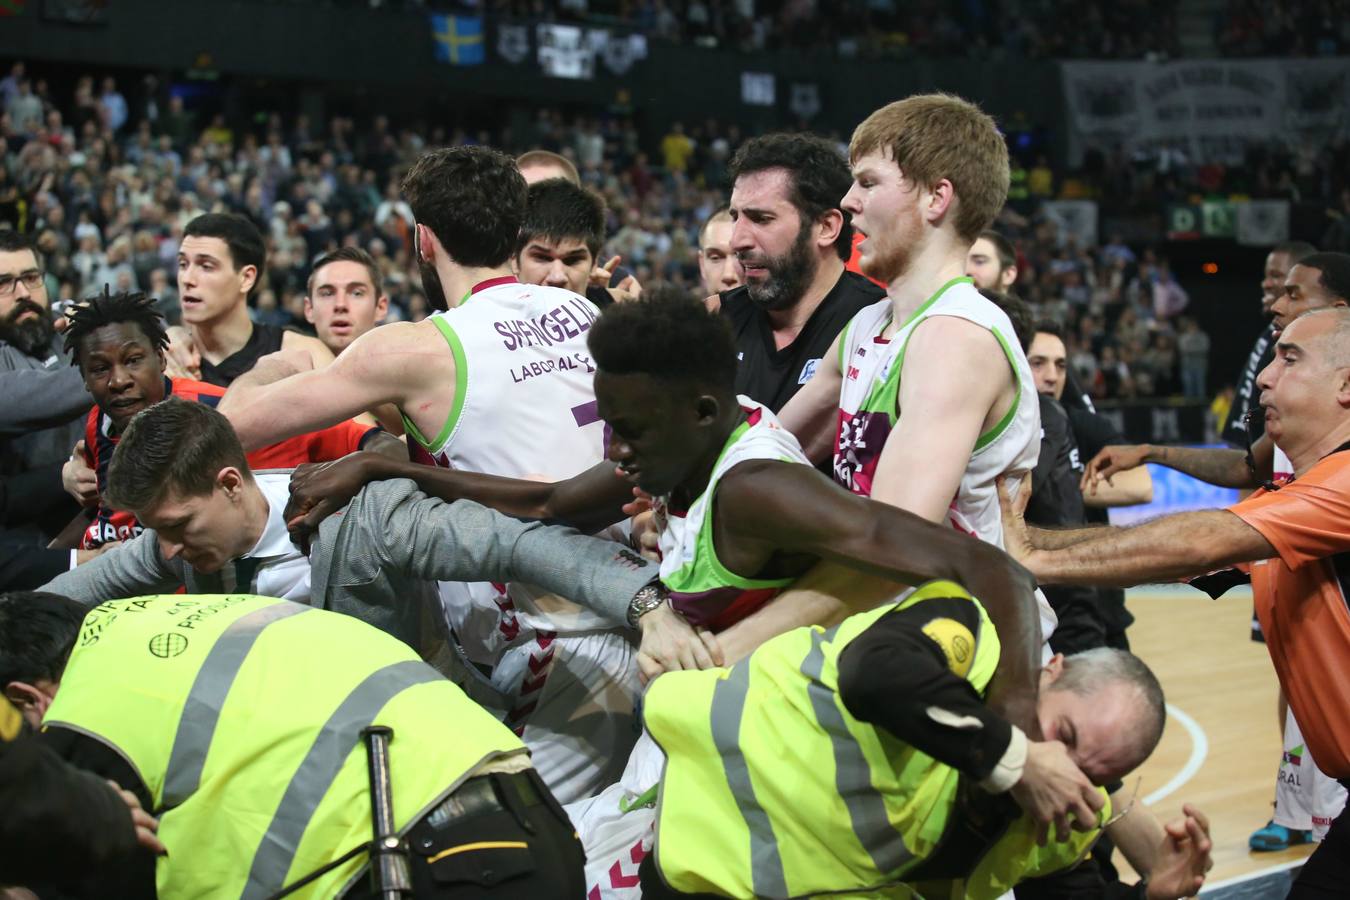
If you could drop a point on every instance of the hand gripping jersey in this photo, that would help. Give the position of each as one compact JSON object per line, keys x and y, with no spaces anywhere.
{"x":701,"y":588}
{"x":869,"y":405}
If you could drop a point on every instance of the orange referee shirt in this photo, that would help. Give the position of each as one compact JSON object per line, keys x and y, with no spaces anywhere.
{"x":1303,"y":600}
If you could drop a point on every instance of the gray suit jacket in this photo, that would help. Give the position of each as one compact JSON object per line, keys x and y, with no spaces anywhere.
{"x":378,"y":559}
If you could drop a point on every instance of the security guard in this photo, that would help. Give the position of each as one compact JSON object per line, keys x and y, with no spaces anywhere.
{"x":242,"y":718}
{"x":847,"y":759}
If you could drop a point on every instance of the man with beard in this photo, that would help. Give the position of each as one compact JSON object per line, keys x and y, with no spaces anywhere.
{"x":43,"y":397}
{"x":792,"y":238}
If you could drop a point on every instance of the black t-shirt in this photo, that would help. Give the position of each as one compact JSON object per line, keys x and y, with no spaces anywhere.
{"x":1056,"y":501}
{"x":265,"y":339}
{"x":772,"y":376}
{"x":1246,"y":396}
{"x":1093,"y":431}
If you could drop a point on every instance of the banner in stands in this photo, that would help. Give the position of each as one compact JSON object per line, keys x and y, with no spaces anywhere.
{"x":1212,"y":110}
{"x":1075,"y":219}
{"x":1254,"y":223}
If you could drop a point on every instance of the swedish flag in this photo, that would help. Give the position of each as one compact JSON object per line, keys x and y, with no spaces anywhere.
{"x":459,"y":39}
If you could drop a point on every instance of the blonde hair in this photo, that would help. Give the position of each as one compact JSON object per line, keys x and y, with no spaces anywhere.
{"x":936,"y":136}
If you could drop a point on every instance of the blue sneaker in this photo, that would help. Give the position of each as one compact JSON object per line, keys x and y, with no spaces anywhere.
{"x":1277,"y":837}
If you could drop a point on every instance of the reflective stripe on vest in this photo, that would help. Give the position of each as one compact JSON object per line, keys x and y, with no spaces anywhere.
{"x":338,"y":737}
{"x":197,"y":727}
{"x":242,"y":716}
{"x":853,"y":776}
{"x":727,"y":822}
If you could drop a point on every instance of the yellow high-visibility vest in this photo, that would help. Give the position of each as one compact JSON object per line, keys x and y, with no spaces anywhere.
{"x":243,"y":715}
{"x":772,"y":789}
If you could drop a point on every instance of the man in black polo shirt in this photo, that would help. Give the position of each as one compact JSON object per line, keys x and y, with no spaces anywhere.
{"x":792,"y":238}
{"x":1236,"y":432}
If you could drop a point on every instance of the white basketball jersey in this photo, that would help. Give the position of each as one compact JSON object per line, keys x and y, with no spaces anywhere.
{"x":869,"y":405}
{"x":524,"y":408}
{"x":524,"y":404}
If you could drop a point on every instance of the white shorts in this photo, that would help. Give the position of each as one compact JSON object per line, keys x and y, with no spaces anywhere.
{"x":1305,"y":797}
{"x":572,"y":698}
{"x":570,"y":694}
{"x":616,"y":835}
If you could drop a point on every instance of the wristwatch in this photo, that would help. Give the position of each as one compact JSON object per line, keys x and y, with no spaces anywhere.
{"x":648,"y":598}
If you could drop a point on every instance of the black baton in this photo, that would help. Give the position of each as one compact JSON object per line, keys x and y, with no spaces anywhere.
{"x":389,"y":876}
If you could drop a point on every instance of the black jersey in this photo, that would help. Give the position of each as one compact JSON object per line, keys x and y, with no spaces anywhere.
{"x":771,"y":376}
{"x":265,"y":339}
{"x":1245,"y":398}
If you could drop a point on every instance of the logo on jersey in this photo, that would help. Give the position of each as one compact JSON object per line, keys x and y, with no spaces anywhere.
{"x":808,"y":371}
{"x":857,"y":448}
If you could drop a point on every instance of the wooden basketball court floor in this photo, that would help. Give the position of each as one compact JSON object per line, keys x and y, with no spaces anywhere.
{"x":1221,"y":746}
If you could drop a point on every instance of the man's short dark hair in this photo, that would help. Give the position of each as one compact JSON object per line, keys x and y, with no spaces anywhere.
{"x":12,"y":241}
{"x":1296,"y":250}
{"x":37,"y":633}
{"x":558,"y":210}
{"x":176,"y":444}
{"x":348,"y":254}
{"x":669,"y":335}
{"x":1335,"y":269}
{"x":472,"y":199}
{"x":817,"y":172}
{"x":1007,"y":256}
{"x":133,"y":307}
{"x":1050,"y":327}
{"x":1018,"y":312}
{"x":240,"y":235}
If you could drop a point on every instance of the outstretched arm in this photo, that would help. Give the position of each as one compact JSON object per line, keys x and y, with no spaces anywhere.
{"x":392,"y":364}
{"x":588,"y":501}
{"x":426,"y":538}
{"x":1219,"y":466}
{"x":1163,"y":550}
{"x":789,"y":507}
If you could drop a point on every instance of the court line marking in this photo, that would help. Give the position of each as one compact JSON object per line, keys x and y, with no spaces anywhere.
{"x":1199,"y":750}
{"x":1252,"y":876}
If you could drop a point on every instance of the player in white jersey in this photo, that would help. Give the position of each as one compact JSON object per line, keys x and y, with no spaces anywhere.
{"x":521,"y":404}
{"x":924,"y":400}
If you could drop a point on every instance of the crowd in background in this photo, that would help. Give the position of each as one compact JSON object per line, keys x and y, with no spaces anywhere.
{"x":107,"y":178}
{"x":1286,"y":28}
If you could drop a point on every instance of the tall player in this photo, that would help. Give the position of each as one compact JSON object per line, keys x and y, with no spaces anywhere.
{"x":924,"y":399}
{"x":498,"y":383}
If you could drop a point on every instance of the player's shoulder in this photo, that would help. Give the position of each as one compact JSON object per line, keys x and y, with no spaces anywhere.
{"x":538,"y":296}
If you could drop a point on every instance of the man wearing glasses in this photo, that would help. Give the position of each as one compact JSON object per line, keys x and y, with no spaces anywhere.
{"x":42,"y":402}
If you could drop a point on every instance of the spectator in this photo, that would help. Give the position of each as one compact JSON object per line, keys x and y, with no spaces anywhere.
{"x":114,"y":105}
{"x":1193,"y":347}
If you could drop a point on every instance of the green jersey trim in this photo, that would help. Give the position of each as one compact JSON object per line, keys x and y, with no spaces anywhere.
{"x":993,"y":434}
{"x":461,"y":385}
{"x":711,"y":574}
{"x":887,"y":399}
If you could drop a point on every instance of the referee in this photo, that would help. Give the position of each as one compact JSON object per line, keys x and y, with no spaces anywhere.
{"x":1288,"y":540}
